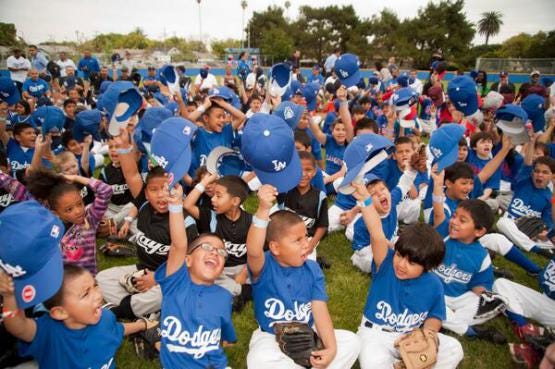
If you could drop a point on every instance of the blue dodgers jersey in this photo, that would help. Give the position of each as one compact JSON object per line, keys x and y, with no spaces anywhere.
{"x":464,"y":267}
{"x":205,"y":141}
{"x":529,"y":200}
{"x":58,"y":347}
{"x":193,"y":322}
{"x":361,"y":236}
{"x":403,"y":304}
{"x":547,"y":279}
{"x":285,"y":294}
{"x":318,"y":180}
{"x":478,"y":164}
{"x":393,"y":174}
{"x":334,"y":155}
{"x":35,"y":88}
{"x":19,"y":157}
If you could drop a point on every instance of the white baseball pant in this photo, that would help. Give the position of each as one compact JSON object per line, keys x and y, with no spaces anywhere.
{"x":496,"y":242}
{"x":334,"y":219}
{"x":507,"y":226}
{"x":408,"y":210}
{"x":362,"y":259}
{"x":378,"y":349}
{"x":527,"y":302}
{"x":350,"y":229}
{"x":264,"y":352}
{"x":461,"y":311}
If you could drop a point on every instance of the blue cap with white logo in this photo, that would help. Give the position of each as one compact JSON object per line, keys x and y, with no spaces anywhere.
{"x":290,"y":112}
{"x":444,"y":144}
{"x":347,"y":68}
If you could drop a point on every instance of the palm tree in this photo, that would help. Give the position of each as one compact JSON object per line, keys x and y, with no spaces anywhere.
{"x":287,"y":5}
{"x":489,"y":24}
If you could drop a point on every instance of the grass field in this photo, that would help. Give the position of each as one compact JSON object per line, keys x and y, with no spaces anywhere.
{"x":347,"y":289}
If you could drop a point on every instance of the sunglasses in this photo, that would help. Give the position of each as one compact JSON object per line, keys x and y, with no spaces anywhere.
{"x":209,"y":248}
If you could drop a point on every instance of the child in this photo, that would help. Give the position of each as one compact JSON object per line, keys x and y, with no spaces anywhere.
{"x":66,"y":163}
{"x":309,"y":203}
{"x":231,"y":223}
{"x":404,"y":294}
{"x":287,"y":287}
{"x":75,"y":332}
{"x":11,"y":191}
{"x":481,"y":145}
{"x":196,"y":313}
{"x":205,"y":200}
{"x":86,"y":161}
{"x":20,"y":148}
{"x":304,"y":126}
{"x":532,"y":197}
{"x":62,"y":196}
{"x":303,"y":143}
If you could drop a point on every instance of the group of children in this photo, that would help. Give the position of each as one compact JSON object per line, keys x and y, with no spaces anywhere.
{"x":200,"y":256}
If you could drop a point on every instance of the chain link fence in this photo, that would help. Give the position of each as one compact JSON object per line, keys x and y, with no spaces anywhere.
{"x":516,"y":65}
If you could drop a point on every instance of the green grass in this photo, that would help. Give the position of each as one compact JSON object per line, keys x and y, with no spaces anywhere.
{"x":347,"y":289}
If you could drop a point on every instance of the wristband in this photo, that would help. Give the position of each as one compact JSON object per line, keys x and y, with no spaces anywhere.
{"x":201,"y":109}
{"x":438,"y":199}
{"x":259,"y":223}
{"x":125,"y":151}
{"x":6,"y":314}
{"x":200,"y":187}
{"x":128,"y":219}
{"x":365,"y":203}
{"x":175,"y":208}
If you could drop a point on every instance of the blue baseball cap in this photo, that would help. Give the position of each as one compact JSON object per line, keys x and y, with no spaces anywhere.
{"x":280,"y":78}
{"x":31,"y":252}
{"x":363,"y":154}
{"x":290,"y":112}
{"x":403,"y":80}
{"x":151,"y":119}
{"x":309,"y":92}
{"x":171,"y":147}
{"x":225,"y":161}
{"x":287,"y":95}
{"x":172,"y":106}
{"x":462,"y":93}
{"x":222,"y":92}
{"x":120,"y":101}
{"x":534,"y":105}
{"x":444,"y":144}
{"x":268,"y":146}
{"x":403,"y":98}
{"x":104,"y":86}
{"x":347,"y":69}
{"x":8,"y":91}
{"x":511,"y":119}
{"x":373,"y":80}
{"x":167,"y":74}
{"x":87,"y":123}
{"x":50,"y":118}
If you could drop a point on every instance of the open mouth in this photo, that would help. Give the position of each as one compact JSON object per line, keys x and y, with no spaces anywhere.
{"x":211,"y":263}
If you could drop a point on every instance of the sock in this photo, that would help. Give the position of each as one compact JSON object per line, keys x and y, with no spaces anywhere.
{"x":123,"y":310}
{"x":470,"y":332}
{"x":518,"y":319}
{"x":517,"y":257}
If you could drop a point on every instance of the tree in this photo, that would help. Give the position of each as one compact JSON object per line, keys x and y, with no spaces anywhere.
{"x":8,"y":35}
{"x":262,"y":22}
{"x":218,"y":47}
{"x":276,"y":44}
{"x":489,"y":24}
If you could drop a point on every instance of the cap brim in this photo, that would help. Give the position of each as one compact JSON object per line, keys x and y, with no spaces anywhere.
{"x":351,"y":80}
{"x":32,"y":290}
{"x":448,"y":160}
{"x":13,"y":98}
{"x":284,"y":180}
{"x":358,"y":172}
{"x":181,"y":166}
{"x":214,"y":157}
{"x":117,"y":122}
{"x":311,"y":106}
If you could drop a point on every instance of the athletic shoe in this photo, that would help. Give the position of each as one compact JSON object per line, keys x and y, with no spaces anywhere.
{"x":144,"y":343}
{"x":503,"y":273}
{"x":522,"y":353}
{"x":323,"y":262}
{"x":529,"y":329}
{"x":489,"y":334}
{"x":241,"y":299}
{"x":490,"y":305}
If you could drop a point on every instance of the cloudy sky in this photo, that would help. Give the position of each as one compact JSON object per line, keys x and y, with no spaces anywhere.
{"x":39,"y":20}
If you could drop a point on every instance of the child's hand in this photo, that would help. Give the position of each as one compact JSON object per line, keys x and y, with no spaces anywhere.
{"x":6,"y":285}
{"x":341,"y":93}
{"x":124,"y":230}
{"x":361,"y":192}
{"x":71,"y":178}
{"x":145,"y":282}
{"x":507,"y":143}
{"x":322,"y":358}
{"x":207,"y":102}
{"x":175,"y":195}
{"x":266,"y":196}
{"x":437,"y":177}
{"x":42,"y":143}
{"x":209,"y":178}
{"x":87,"y":141}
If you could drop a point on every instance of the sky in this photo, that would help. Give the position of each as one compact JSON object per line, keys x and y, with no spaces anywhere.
{"x":71,"y":20}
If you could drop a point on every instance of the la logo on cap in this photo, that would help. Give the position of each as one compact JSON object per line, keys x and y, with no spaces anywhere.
{"x":28,"y":293}
{"x":436,"y":151}
{"x":369,"y":147}
{"x":187,"y":130}
{"x":161,"y":161}
{"x":288,"y":113}
{"x":14,"y":271}
{"x":55,"y":231}
{"x":279,"y":165}
{"x":343,"y":73}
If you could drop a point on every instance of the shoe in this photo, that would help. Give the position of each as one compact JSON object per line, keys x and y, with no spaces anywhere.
{"x":489,"y":334}
{"x":324,"y":262}
{"x":490,"y":305}
{"x":503,"y":273}
{"x":241,"y":299}
{"x":144,"y":343}
{"x":546,"y":253}
{"x":528,"y":330}
{"x":522,"y":353}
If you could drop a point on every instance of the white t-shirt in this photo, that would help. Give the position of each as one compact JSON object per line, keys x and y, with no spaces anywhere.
{"x":130,"y":64}
{"x":209,"y":82}
{"x":63,"y":64}
{"x":22,"y":62}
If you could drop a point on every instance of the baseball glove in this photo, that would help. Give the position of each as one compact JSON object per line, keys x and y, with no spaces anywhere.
{"x":490,"y":305}
{"x":298,"y":341}
{"x":129,"y":281}
{"x":418,"y":349}
{"x":531,"y":226}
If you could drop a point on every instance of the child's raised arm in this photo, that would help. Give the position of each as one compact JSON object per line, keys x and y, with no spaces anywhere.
{"x":316,"y":131}
{"x":128,"y":163}
{"x":15,"y":320}
{"x":190,"y":202}
{"x":85,"y":155}
{"x":257,"y":232}
{"x":178,"y":249}
{"x":494,"y":163}
{"x":438,"y":197}
{"x":344,"y":113}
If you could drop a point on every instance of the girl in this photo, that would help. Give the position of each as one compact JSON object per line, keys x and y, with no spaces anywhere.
{"x":22,"y":113}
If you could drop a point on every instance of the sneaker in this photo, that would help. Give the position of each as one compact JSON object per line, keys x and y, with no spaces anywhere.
{"x":144,"y":343}
{"x":241,"y":299}
{"x":524,"y":354}
{"x":491,"y":305}
{"x":528,"y":330}
{"x":489,"y":334}
{"x":503,"y":273}
{"x":324,"y":262}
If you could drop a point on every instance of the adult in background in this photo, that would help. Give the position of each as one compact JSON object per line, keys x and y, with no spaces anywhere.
{"x":38,"y":60}
{"x":88,"y":64}
{"x":243,"y":67}
{"x":205,"y":80}
{"x":64,"y":62}
{"x":18,"y":65}
{"x":330,"y":62}
{"x":296,"y":59}
{"x":128,"y":62}
{"x":532,"y":87}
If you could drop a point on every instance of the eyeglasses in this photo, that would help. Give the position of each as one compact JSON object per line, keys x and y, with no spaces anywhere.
{"x":209,"y":248}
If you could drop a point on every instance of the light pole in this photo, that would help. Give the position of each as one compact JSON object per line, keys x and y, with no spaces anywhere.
{"x":244,"y":6}
{"x":199,"y":24}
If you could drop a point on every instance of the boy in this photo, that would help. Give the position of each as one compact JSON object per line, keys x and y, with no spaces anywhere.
{"x":231,"y":223}
{"x":481,"y":145}
{"x":20,"y":148}
{"x":309,"y":203}
{"x":287,"y":287}
{"x":532,"y":197}
{"x":303,"y":143}
{"x":404,"y":294}
{"x":85,"y":335}
{"x":196,"y":313}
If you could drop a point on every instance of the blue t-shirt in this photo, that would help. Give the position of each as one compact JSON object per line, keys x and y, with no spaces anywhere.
{"x":509,"y":172}
{"x":193,"y":322}
{"x":88,"y":65}
{"x":19,"y":157}
{"x":58,"y":347}
{"x":35,"y":88}
{"x":318,"y":180}
{"x":529,"y":200}
{"x":478,"y":164}
{"x":334,"y":155}
{"x":464,"y":267}
{"x":403,"y":304}
{"x":393,"y":173}
{"x":205,"y":141}
{"x":361,"y":237}
{"x":285,"y":294}
{"x":315,"y":78}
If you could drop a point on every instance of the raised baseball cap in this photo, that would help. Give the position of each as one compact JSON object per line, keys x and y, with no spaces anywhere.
{"x":309,"y":92}
{"x":171,"y":147}
{"x":462,"y":93}
{"x":51,"y":119}
{"x":8,"y":91}
{"x":403,"y":98}
{"x":120,"y":102}
{"x":31,"y":254}
{"x":347,"y":68}
{"x":224,"y":161}
{"x":169,"y":77}
{"x":511,"y":119}
{"x":151,"y":119}
{"x":87,"y":123}
{"x":444,"y":144}
{"x":492,"y":101}
{"x":268,"y":146}
{"x":534,"y":105}
{"x":280,"y":78}
{"x":290,"y":112}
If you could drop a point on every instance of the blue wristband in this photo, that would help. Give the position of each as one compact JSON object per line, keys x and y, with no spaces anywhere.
{"x":259,"y":223}
{"x":365,"y":203}
{"x":175,"y":208}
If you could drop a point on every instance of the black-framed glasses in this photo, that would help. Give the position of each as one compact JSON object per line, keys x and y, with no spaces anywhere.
{"x":209,"y":248}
